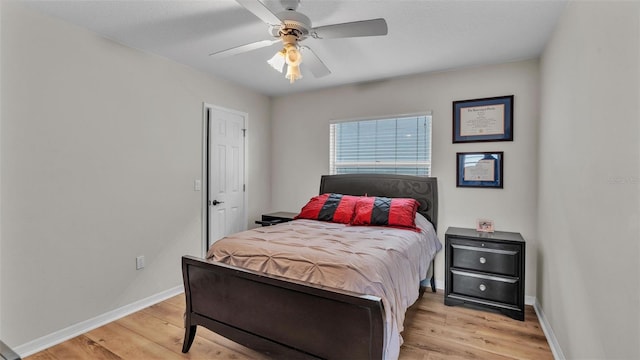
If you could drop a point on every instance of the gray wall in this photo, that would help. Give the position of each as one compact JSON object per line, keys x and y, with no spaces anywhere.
{"x":301,"y":144}
{"x":589,"y":187}
{"x":100,"y":147}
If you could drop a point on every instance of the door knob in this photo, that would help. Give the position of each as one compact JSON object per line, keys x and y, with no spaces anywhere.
{"x":215,"y":202}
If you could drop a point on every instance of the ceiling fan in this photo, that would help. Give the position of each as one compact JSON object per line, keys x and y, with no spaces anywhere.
{"x":291,"y":27}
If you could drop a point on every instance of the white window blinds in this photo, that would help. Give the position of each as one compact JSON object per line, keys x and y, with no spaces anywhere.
{"x":398,"y":145}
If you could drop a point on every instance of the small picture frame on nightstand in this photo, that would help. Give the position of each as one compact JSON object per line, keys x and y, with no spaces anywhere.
{"x":484,"y":225}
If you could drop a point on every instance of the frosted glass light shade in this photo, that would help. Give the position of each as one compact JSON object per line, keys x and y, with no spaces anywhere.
{"x":277,"y":61}
{"x":293,"y":73}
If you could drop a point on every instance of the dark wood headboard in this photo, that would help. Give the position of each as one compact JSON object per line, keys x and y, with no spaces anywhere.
{"x":423,"y":189}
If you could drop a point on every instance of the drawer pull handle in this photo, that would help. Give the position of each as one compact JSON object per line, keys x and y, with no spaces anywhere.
{"x":482,"y":287}
{"x":482,"y":260}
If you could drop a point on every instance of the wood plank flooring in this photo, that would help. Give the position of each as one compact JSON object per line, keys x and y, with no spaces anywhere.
{"x":433,"y":331}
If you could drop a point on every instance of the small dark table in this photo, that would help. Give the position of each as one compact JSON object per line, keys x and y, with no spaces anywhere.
{"x":276,"y":218}
{"x":485,"y":270}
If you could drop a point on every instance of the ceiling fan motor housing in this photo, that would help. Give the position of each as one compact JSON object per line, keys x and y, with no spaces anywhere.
{"x":293,"y":23}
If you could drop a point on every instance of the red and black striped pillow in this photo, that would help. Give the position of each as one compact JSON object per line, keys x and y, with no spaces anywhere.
{"x":383,"y":211}
{"x":336,"y":208}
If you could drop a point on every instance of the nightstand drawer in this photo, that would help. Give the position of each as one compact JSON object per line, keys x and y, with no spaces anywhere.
{"x":499,"y":261}
{"x":494,"y":288}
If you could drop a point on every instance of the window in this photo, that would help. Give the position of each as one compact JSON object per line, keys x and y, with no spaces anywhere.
{"x":397,"y":145}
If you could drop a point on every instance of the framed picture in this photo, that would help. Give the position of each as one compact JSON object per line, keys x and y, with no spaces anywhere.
{"x":479,"y":169}
{"x":484,"y":225}
{"x":488,"y":119}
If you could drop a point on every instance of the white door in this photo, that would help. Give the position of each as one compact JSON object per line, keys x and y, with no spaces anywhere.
{"x":226,"y":173}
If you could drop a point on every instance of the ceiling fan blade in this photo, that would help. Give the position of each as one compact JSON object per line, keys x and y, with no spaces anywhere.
{"x":313,"y":62}
{"x":243,"y":48}
{"x":261,"y":11}
{"x":374,"y":27}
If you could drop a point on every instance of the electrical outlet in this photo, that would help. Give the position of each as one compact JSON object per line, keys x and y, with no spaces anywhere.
{"x":139,"y":262}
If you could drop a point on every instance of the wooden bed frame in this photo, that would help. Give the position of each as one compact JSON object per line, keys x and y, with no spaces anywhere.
{"x":290,"y":319}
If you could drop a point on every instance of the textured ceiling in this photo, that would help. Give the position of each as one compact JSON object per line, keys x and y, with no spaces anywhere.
{"x":424,"y":36}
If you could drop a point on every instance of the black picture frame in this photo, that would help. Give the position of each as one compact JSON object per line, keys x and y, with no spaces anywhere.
{"x":486,"y":119}
{"x":480,"y":169}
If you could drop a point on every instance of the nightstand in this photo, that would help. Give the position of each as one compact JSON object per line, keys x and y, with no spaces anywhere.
{"x":485,"y":270}
{"x":276,"y":218}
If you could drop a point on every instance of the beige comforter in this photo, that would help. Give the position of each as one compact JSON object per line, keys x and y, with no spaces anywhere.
{"x":384,"y":262}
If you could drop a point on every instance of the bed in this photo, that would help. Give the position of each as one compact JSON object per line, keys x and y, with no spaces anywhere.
{"x":288,"y":318}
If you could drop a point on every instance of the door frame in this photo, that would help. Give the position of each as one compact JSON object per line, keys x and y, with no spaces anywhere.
{"x":205,"y":172}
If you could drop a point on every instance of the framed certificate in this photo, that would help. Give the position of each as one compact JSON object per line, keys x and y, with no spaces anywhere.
{"x":488,"y":119}
{"x":479,"y":169}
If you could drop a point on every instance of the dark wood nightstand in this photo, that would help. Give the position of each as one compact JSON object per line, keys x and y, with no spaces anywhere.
{"x":276,"y":218}
{"x":485,"y":270}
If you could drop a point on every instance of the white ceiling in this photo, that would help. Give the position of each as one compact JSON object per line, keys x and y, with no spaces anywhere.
{"x":424,"y":35}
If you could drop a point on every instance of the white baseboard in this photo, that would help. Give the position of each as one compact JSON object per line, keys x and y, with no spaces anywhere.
{"x":548,"y":332}
{"x":529,"y":300}
{"x":72,"y":331}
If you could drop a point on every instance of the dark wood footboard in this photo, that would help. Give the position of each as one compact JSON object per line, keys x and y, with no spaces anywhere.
{"x":280,"y":317}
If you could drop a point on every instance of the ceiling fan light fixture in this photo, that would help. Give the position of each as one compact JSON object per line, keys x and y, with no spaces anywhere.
{"x":277,"y":61}
{"x":293,"y":73}
{"x":293,"y":58}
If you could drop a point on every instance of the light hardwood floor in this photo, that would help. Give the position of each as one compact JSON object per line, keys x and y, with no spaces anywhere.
{"x":432,"y":331}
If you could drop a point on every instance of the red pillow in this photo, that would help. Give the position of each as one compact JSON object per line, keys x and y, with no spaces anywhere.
{"x":329,"y":207}
{"x":382,"y":211}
